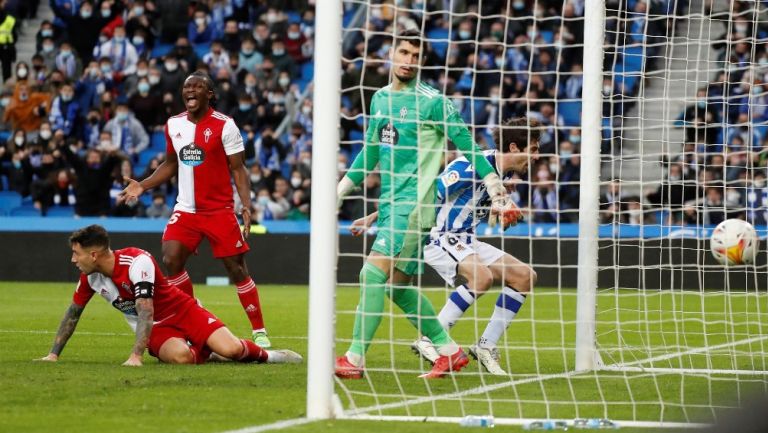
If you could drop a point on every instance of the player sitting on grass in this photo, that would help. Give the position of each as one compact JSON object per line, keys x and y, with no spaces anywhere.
{"x":166,"y":320}
{"x":456,"y":254}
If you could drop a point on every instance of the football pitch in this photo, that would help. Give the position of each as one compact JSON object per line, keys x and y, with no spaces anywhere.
{"x":89,"y":391}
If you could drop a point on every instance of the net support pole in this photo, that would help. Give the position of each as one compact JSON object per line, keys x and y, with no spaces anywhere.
{"x":589,"y":200}
{"x":323,"y":225}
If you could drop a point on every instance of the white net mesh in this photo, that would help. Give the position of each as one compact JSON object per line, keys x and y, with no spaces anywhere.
{"x":684,"y":122}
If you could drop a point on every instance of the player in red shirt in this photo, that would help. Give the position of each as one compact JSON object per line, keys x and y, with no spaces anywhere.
{"x":166,"y":320}
{"x":203,"y":147}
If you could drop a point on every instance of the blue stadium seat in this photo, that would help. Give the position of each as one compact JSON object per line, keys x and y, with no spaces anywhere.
{"x":61,"y":211}
{"x":24,"y":210}
{"x":308,"y":70}
{"x":293,"y":16}
{"x":157,"y":141}
{"x":356,"y":135}
{"x":633,"y":58}
{"x":160,"y":50}
{"x":8,"y":201}
{"x":571,"y":112}
{"x":146,"y":156}
{"x":202,"y":49}
{"x":438,"y":46}
{"x":4,"y":185}
{"x":547,"y":36}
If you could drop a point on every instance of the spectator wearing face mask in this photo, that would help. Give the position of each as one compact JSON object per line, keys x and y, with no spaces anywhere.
{"x":245,"y":114}
{"x":47,"y":30}
{"x":56,"y":189}
{"x":217,"y":59}
{"x":5,"y":101}
{"x":127,"y":132}
{"x":66,"y":112}
{"x":48,"y":54}
{"x":144,"y":105}
{"x":172,"y":77}
{"x":67,"y":62}
{"x":85,"y":27}
{"x":27,"y":109}
{"x":141,"y":25}
{"x":94,"y":173}
{"x":91,"y":85}
{"x":199,"y":30}
{"x":92,"y":128}
{"x":231,"y":37}
{"x":294,"y":42}
{"x":249,"y":58}
{"x":282,"y":61}
{"x":121,"y":53}
{"x":186,"y":56}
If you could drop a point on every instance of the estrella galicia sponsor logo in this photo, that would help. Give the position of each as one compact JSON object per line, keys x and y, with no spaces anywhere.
{"x":125,"y":305}
{"x":388,"y":135}
{"x":192,"y":155}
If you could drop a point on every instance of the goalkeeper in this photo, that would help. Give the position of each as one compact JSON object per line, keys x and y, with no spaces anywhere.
{"x":467,"y":263}
{"x":406,"y":136}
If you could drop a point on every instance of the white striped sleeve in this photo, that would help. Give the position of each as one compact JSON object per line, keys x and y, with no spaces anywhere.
{"x":231,"y":138}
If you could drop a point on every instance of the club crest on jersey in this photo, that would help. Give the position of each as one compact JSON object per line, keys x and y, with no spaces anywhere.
{"x":207,"y":134}
{"x":388,"y":135}
{"x":191,"y":155}
{"x":451,"y":177}
{"x":403,"y":113}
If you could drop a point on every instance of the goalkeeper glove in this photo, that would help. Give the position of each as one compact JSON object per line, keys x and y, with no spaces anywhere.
{"x":498,"y":194}
{"x":342,"y":189}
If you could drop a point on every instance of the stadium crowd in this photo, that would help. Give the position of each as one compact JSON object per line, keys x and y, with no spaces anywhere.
{"x":87,"y":110}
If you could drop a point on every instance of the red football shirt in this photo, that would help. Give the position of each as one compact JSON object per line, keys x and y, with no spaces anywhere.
{"x":205,"y":183}
{"x":133,"y":265}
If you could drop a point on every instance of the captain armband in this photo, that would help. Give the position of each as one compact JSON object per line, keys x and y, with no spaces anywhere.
{"x":143,"y":289}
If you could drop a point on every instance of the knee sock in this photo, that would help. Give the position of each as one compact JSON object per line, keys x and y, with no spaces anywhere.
{"x":369,"y":311}
{"x":182,"y":281}
{"x":421,"y":314}
{"x":459,"y":301}
{"x":249,"y":299}
{"x":251,"y":352}
{"x":507,"y":306}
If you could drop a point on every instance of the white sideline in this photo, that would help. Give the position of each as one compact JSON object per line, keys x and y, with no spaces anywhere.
{"x":274,"y":426}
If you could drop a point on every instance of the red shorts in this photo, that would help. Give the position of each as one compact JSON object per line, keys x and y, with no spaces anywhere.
{"x":221,"y":229}
{"x":193,"y":324}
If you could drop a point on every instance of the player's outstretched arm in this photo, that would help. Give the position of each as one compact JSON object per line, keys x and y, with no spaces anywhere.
{"x":146,"y":310}
{"x":165,"y":171}
{"x":66,"y":329}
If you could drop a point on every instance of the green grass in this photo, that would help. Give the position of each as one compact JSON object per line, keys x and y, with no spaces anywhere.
{"x":89,"y":391}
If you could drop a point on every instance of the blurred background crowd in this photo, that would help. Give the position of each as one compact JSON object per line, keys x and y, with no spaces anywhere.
{"x":86,"y":110}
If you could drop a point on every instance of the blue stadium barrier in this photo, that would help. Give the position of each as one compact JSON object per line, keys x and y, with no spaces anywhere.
{"x":9,"y":200}
{"x":633,"y":58}
{"x":202,"y":49}
{"x":157,"y":141}
{"x":308,"y":70}
{"x":571,"y":112}
{"x":160,"y":50}
{"x":438,"y":46}
{"x":565,"y":230}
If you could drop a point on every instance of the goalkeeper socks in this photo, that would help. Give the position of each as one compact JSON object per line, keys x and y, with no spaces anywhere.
{"x":182,"y":281}
{"x":459,"y":301}
{"x":507,"y":306}
{"x":420,"y":312}
{"x":369,"y":310}
{"x":249,"y":299}
{"x":251,"y":352}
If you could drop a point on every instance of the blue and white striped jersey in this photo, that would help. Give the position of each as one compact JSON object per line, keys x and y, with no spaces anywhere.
{"x":462,"y":200}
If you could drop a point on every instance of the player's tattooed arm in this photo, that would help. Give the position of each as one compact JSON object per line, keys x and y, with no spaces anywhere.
{"x":65,"y":331}
{"x":146,"y":310}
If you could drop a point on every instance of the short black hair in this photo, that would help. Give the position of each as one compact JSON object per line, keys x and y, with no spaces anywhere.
{"x":519,"y":130}
{"x":92,"y":236}
{"x":413,"y":37}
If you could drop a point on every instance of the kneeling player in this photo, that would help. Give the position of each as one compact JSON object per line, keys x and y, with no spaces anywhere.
{"x":166,"y":320}
{"x":458,"y":256}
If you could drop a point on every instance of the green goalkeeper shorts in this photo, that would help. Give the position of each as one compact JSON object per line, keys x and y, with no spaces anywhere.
{"x":397,"y":238}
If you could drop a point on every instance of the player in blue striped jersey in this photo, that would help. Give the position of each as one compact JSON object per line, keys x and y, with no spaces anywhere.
{"x":466,"y":263}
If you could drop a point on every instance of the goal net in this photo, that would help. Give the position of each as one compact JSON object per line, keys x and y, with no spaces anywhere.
{"x":666,"y":335}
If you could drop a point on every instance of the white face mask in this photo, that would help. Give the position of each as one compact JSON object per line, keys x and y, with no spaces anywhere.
{"x":45,"y":134}
{"x":154,"y":79}
{"x":295,"y":182}
{"x":306,"y":110}
{"x":255,"y":178}
{"x":554,"y":167}
{"x":284,"y":82}
{"x":19,"y":140}
{"x":759,"y":183}
{"x":199,"y":21}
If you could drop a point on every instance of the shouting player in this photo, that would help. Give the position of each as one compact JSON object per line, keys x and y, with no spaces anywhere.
{"x":203,"y":147}
{"x":406,"y":136}
{"x":166,"y":320}
{"x":459,"y":257}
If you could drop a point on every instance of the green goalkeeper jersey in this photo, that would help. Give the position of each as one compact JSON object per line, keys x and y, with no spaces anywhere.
{"x":406,"y":136}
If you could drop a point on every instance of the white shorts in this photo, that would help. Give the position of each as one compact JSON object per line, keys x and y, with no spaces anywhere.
{"x":445,"y":251}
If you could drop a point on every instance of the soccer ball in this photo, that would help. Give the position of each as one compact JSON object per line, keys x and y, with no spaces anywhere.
{"x":734,"y":242}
